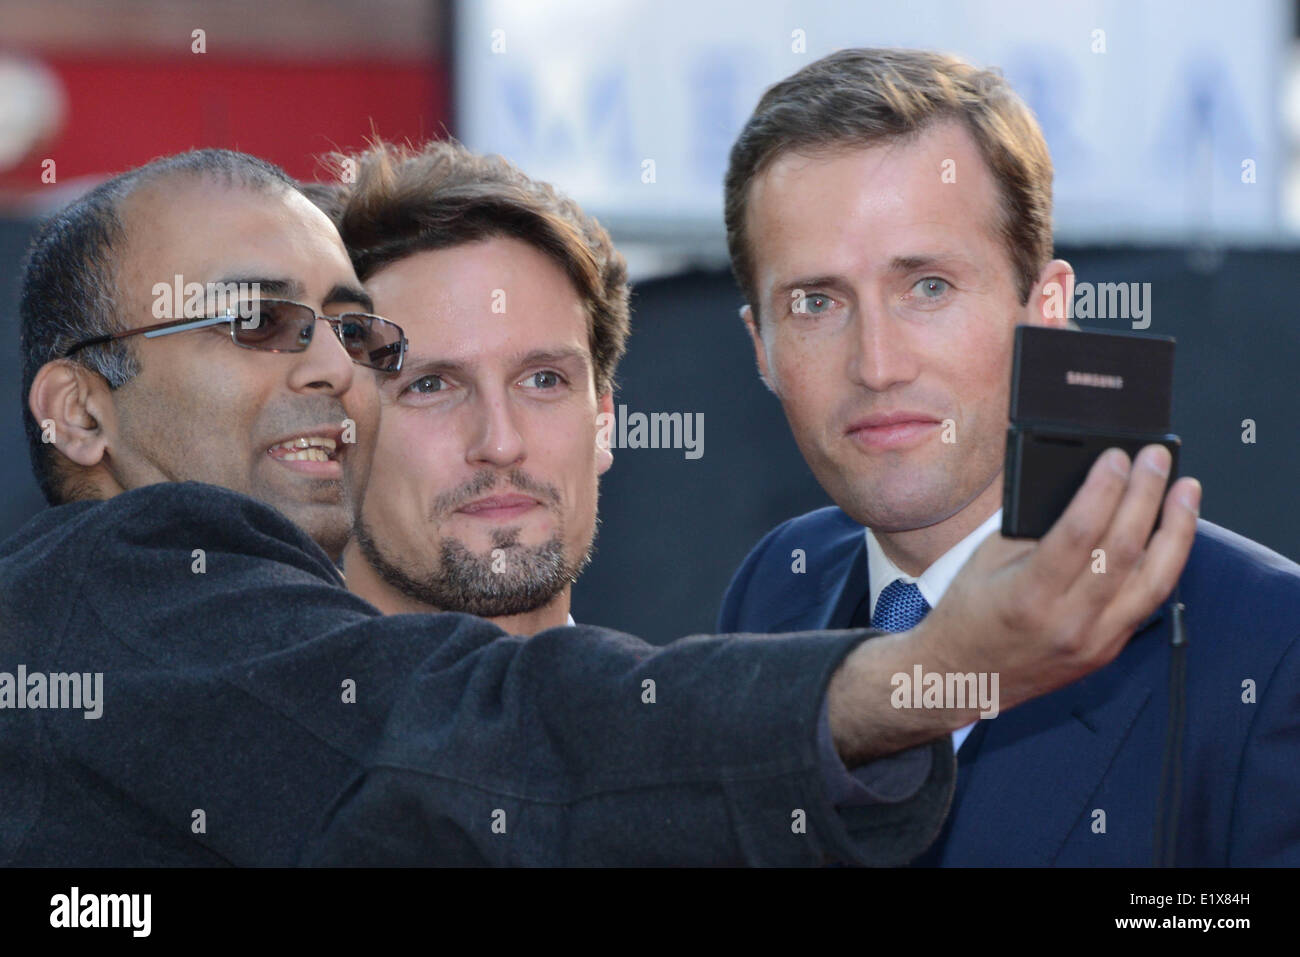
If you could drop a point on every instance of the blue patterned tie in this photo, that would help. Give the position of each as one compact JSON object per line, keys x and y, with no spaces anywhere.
{"x":900,"y":607}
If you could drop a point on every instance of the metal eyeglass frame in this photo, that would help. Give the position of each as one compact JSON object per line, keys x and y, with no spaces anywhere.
{"x":231,"y":317}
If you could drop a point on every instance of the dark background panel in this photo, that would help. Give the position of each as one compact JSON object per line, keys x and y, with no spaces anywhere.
{"x":19,"y":497}
{"x":674,"y":529}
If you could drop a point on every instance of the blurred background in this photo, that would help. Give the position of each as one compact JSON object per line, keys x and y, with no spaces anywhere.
{"x":1174,"y":128}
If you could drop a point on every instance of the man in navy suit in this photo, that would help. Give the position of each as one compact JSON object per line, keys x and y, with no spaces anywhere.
{"x":889,"y":221}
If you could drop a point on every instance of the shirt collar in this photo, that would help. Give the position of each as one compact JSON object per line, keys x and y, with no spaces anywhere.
{"x":934,"y":581}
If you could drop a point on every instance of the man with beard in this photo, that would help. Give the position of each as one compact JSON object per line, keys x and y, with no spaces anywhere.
{"x":483,"y":495}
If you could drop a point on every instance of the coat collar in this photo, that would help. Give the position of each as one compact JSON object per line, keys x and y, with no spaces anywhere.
{"x":847,"y":580}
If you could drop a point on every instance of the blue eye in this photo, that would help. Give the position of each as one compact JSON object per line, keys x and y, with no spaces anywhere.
{"x":425,"y":385}
{"x":813,"y":303}
{"x":932,"y":287}
{"x":545,"y":380}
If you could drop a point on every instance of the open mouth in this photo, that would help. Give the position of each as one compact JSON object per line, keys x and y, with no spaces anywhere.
{"x":313,"y":455}
{"x":307,"y":448}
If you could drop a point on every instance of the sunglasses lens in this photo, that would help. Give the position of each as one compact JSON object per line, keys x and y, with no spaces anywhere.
{"x":371,"y":341}
{"x":274,"y":325}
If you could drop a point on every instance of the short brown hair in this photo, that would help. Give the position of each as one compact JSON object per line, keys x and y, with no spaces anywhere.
{"x":860,"y":97}
{"x":398,"y":200}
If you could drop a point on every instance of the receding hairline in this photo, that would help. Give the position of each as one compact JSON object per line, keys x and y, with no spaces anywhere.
{"x":160,"y":182}
{"x":157,"y":187}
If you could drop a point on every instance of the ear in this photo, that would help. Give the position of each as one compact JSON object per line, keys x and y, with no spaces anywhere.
{"x":760,"y":351}
{"x":1052,"y":297}
{"x":604,"y":430}
{"x":74,"y":408}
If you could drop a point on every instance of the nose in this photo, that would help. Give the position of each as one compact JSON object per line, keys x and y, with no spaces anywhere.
{"x":325,"y":365}
{"x":496,"y":438}
{"x":881,"y":355}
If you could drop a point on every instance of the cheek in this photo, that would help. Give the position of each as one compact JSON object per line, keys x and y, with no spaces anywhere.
{"x":976,"y":374}
{"x":805,"y":378}
{"x":364,"y":406}
{"x":788,"y":353}
{"x":198,"y":414}
{"x":414,"y":458}
{"x":578,"y":514}
{"x":567,"y":458}
{"x":579,"y":457}
{"x":981,"y":363}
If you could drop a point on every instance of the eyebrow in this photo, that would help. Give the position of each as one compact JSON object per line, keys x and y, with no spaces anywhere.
{"x":275,"y":288}
{"x":906,"y":264}
{"x":279,"y":288}
{"x":808,"y":282}
{"x":542,"y":356}
{"x":418,"y":365}
{"x":348,"y":292}
{"x":899,"y":265}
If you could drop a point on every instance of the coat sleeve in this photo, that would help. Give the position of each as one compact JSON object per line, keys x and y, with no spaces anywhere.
{"x":311,"y":729}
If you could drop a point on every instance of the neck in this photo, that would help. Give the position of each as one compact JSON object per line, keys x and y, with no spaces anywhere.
{"x":916,"y":549}
{"x":364,"y":582}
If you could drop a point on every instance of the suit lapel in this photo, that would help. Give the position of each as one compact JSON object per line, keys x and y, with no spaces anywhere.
{"x":1038,"y":765}
{"x":834,"y":595}
{"x":843,"y":590}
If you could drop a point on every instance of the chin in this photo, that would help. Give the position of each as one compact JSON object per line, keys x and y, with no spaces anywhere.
{"x":329,"y":527}
{"x":895,"y":509}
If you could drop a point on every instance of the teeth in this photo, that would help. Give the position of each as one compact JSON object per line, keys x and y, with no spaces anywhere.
{"x":313,"y":448}
{"x":307,"y":455}
{"x":315,"y":441}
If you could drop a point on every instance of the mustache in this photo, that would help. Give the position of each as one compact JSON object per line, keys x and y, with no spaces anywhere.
{"x":308,"y":414}
{"x":487,"y":480}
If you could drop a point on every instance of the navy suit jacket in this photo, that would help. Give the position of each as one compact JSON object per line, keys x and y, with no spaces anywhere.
{"x":1031,"y":781}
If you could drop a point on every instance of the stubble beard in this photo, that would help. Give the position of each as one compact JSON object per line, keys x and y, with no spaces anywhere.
{"x":511,"y":579}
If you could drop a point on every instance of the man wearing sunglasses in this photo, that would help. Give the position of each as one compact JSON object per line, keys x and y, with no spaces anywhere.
{"x":255,"y":712}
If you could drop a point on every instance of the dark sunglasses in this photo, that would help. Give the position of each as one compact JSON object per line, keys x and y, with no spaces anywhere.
{"x":278,"y":325}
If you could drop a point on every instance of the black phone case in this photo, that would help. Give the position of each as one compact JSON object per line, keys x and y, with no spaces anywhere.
{"x":1046,"y":466}
{"x":1075,"y":394}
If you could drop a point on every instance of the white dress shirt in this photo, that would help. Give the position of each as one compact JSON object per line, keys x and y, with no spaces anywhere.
{"x":934,"y":581}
